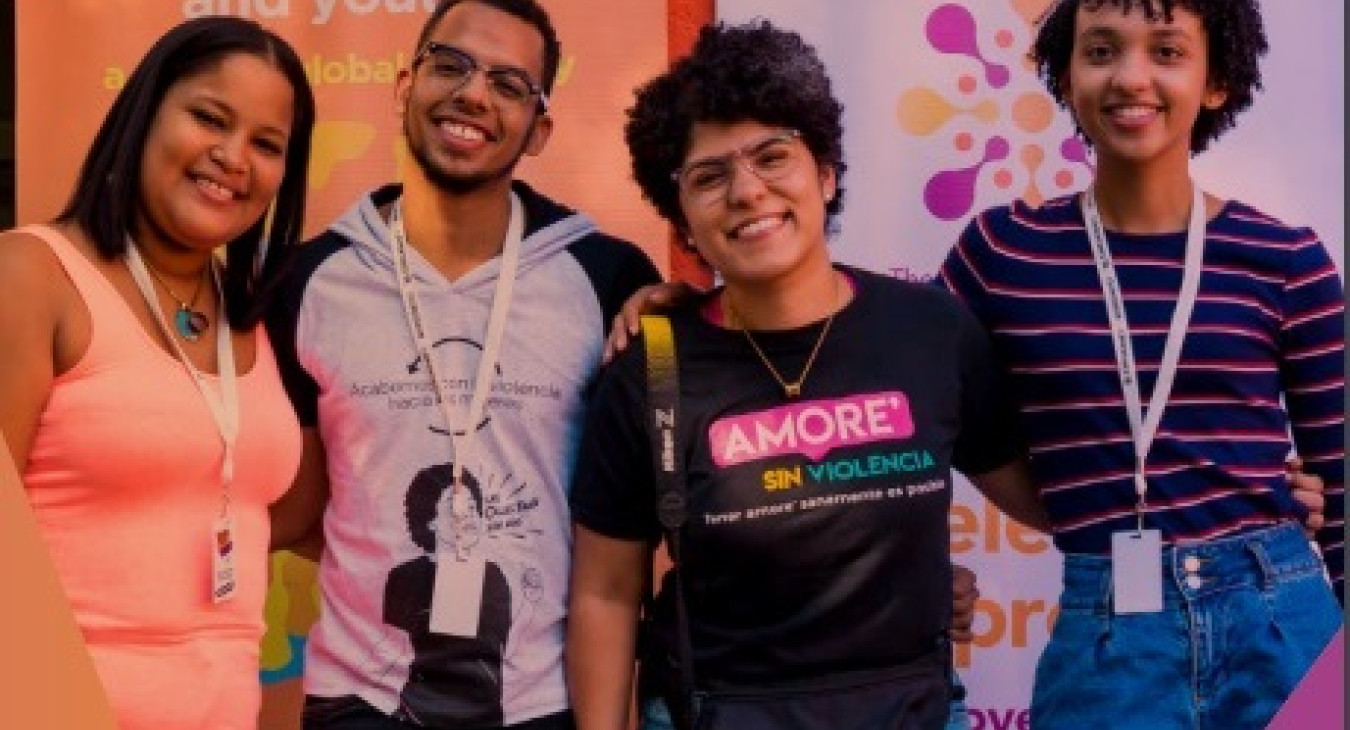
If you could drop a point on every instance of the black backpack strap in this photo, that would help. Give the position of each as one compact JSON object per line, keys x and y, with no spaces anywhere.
{"x":663,"y":398}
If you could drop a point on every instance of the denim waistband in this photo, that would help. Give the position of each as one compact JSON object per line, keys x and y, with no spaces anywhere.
{"x":1258,"y":558}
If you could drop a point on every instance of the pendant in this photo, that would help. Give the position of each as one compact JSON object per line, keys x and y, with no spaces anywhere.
{"x":792,"y":390}
{"x":190,"y":324}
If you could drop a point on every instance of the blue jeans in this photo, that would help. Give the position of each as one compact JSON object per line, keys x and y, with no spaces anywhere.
{"x":1233,"y":639}
{"x":958,"y":718}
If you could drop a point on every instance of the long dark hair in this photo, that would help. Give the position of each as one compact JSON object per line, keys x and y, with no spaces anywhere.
{"x":106,"y":196}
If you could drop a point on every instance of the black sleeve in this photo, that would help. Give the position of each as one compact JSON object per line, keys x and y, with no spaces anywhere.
{"x":612,"y":490}
{"x":990,"y":436}
{"x":616,"y":268}
{"x":282,"y":319}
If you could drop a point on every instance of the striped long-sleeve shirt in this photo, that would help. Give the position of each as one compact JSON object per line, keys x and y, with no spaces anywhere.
{"x":1263,"y":361}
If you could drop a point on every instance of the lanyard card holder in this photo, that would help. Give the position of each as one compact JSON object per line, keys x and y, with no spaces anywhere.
{"x":1136,"y":571}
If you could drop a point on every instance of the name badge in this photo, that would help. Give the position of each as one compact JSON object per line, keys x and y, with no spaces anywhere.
{"x":458,"y":595}
{"x":1136,"y":571}
{"x":222,"y":559}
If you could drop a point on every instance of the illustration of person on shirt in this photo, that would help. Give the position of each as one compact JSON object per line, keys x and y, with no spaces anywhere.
{"x":452,"y":676}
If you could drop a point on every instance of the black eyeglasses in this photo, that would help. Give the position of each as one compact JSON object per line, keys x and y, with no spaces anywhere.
{"x":455,"y":68}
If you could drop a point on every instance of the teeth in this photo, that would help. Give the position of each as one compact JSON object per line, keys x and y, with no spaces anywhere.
{"x":215,"y":189}
{"x":758,"y":226}
{"x":464,"y":131}
{"x":1133,"y":112}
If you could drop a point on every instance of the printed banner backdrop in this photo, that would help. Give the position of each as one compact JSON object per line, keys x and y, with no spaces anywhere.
{"x":944,"y":118}
{"x":73,"y":56}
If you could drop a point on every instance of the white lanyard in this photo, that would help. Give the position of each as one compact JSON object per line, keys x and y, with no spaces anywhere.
{"x":466,"y":443}
{"x":224,"y":406}
{"x":1143,"y":429}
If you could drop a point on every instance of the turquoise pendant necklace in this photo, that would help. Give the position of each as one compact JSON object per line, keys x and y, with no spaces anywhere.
{"x":187,"y":321}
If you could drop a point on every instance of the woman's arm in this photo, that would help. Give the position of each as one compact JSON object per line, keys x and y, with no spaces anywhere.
{"x":608,"y":577}
{"x":297,"y":518}
{"x":30,"y":310}
{"x":1010,"y":489}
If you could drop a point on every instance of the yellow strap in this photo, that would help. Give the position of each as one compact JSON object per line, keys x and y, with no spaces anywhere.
{"x":660,"y":343}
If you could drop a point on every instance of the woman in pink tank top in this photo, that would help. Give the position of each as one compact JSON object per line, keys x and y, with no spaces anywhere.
{"x":139,"y":396}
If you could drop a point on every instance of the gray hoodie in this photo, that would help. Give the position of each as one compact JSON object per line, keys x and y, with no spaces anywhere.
{"x":349,"y":362}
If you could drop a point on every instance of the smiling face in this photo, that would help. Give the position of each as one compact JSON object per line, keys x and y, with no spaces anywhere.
{"x":1136,"y":86}
{"x":215,"y":154}
{"x":755,"y":230}
{"x":468,"y":137}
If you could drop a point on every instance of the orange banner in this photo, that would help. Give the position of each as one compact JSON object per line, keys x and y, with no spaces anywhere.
{"x":72,"y":56}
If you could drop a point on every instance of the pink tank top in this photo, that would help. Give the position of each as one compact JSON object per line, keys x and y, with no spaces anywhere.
{"x":124,"y":479}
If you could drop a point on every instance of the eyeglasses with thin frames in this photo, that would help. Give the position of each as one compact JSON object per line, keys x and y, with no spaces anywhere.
{"x":773,"y":158}
{"x":455,"y":68}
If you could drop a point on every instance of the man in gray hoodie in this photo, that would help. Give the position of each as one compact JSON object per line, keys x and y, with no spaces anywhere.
{"x":437,"y":343}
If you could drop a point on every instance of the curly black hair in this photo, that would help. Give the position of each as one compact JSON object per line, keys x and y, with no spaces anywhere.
{"x":1235,"y":36}
{"x":735,"y":73}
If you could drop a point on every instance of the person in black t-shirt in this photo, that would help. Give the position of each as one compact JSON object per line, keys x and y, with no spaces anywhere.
{"x":821,"y":410}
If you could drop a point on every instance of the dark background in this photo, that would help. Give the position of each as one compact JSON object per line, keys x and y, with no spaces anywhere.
{"x":7,"y":115}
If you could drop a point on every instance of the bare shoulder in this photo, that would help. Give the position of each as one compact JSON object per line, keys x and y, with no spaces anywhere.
{"x":22,"y":250}
{"x":31,"y":301}
{"x":28,"y":266}
{"x":35,"y":289}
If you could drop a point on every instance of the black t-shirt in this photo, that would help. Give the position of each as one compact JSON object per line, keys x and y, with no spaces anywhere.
{"x":817,"y":534}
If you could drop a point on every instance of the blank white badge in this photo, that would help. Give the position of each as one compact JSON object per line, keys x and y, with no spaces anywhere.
{"x":1136,"y":571}
{"x":458,"y":594}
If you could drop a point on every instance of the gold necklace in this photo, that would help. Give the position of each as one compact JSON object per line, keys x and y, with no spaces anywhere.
{"x":188,"y":321}
{"x":790,"y":389}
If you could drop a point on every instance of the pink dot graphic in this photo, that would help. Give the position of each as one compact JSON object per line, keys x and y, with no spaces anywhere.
{"x":1074,"y":150}
{"x":950,"y":194}
{"x":951,"y":29}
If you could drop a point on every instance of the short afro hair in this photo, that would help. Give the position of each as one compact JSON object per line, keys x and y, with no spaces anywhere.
{"x":1234,"y":34}
{"x":735,"y":73}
